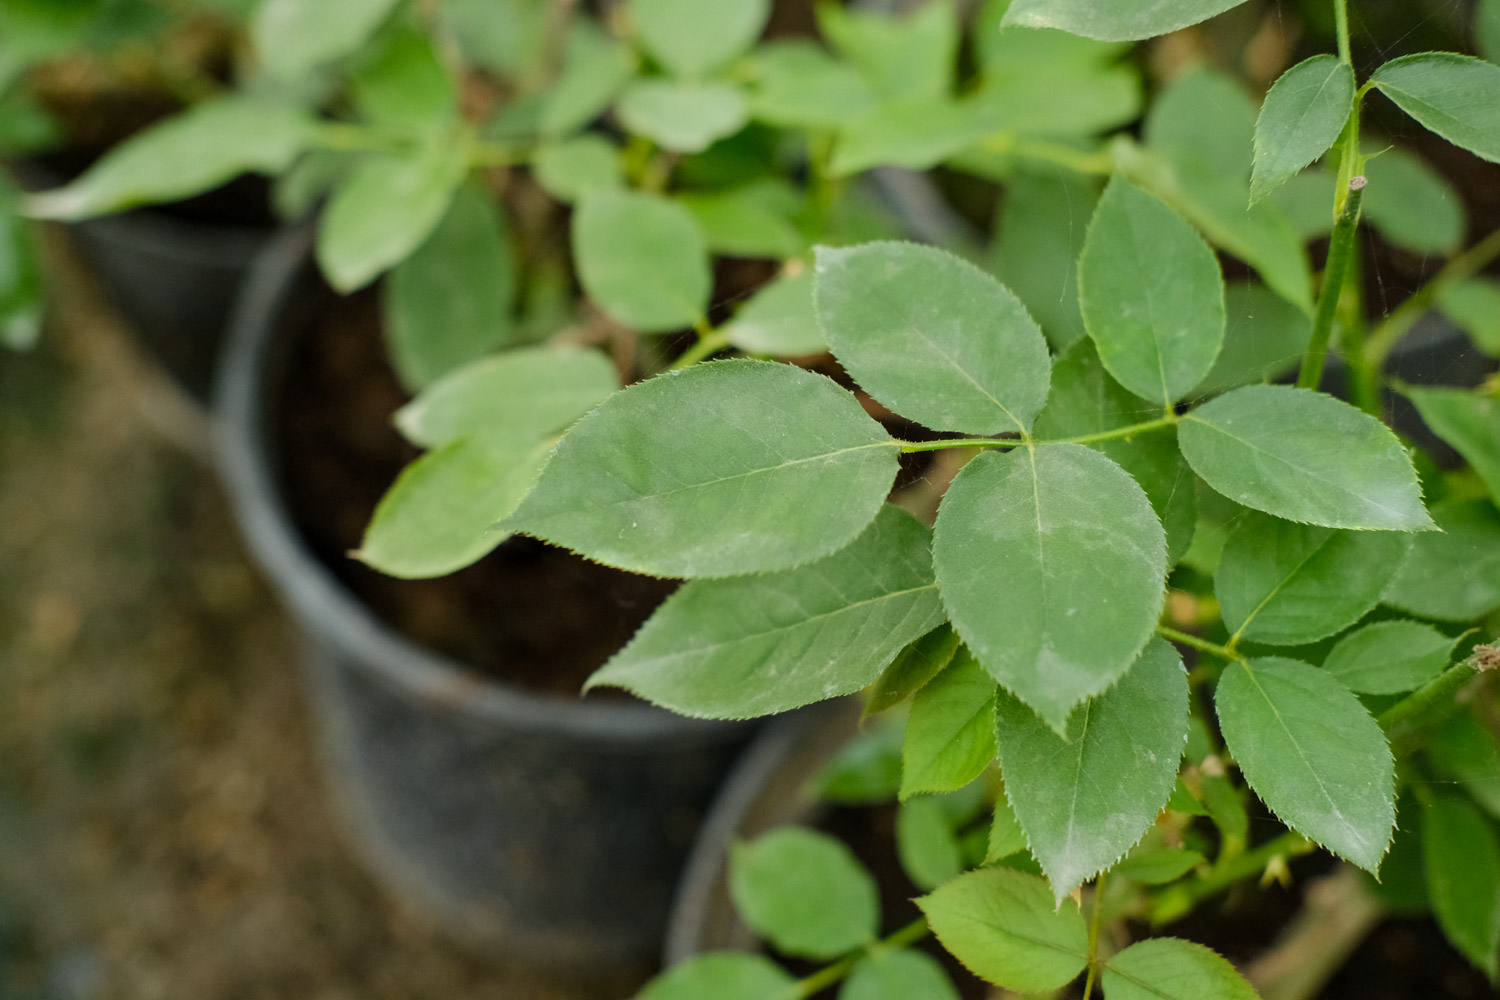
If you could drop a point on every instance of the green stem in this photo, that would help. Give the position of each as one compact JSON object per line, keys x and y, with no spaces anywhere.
{"x":1401,"y":320}
{"x":907,"y":447}
{"x":1094,"y":963}
{"x":710,"y":341}
{"x":1341,"y":27}
{"x":838,"y":971}
{"x":1203,"y":645}
{"x":1119,"y":432}
{"x":1063,"y":156}
{"x":1340,"y":251}
{"x":1422,"y":704}
{"x":1181,"y":898}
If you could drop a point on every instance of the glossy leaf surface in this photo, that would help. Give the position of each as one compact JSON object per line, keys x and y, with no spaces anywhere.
{"x":1461,"y":857}
{"x":1285,"y":583}
{"x":804,"y":892}
{"x":1068,"y":544}
{"x":1115,"y":22}
{"x":439,"y":516}
{"x":1452,"y":574}
{"x":1468,"y":421}
{"x":682,"y":117}
{"x":1389,"y":657}
{"x":1086,"y":798}
{"x":757,"y":645}
{"x":1171,"y":969}
{"x":1158,"y":339}
{"x":1302,"y":116}
{"x":188,"y":154}
{"x":534,"y":391}
{"x":723,"y":975}
{"x":384,"y":210}
{"x":1005,"y":927}
{"x":950,"y":733}
{"x":1458,"y":97}
{"x":902,"y":974}
{"x":690,"y":37}
{"x":450,"y":302}
{"x":642,"y":259}
{"x":692,"y":474}
{"x":932,"y":337}
{"x":1312,"y":753}
{"x":1304,"y":456}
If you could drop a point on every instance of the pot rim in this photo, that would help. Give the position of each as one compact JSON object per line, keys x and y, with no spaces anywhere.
{"x":328,"y":610}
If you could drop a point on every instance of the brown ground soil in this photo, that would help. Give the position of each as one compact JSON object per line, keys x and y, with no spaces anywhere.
{"x":163,"y":833}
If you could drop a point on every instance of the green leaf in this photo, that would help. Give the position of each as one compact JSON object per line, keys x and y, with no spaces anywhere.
{"x":799,"y":85}
{"x":1066,"y":542}
{"x":950,"y":733}
{"x":690,"y":37}
{"x":694,"y":474}
{"x":1263,"y":339}
{"x":925,"y":842}
{"x":506,"y":37}
{"x":1005,"y":927}
{"x":1305,"y":203}
{"x":915,"y":132}
{"x":400,"y":80}
{"x":1302,"y":116}
{"x":1171,"y":969}
{"x":1462,"y":865}
{"x":293,"y":37}
{"x":932,"y":337}
{"x":1452,"y":575}
{"x":595,"y":67}
{"x":1285,"y":583}
{"x":570,"y":169}
{"x":900,"y":974}
{"x":1158,"y":865}
{"x":1006,"y":836}
{"x":1389,"y":657}
{"x":1039,"y":235}
{"x":913,"y":668}
{"x":1458,"y":97}
{"x":1412,"y":205}
{"x":1468,"y":421}
{"x":1023,"y":91}
{"x":682,"y":117}
{"x":804,"y":892}
{"x":723,"y":975}
{"x":749,"y":221}
{"x":1487,"y":29}
{"x":759,"y":645}
{"x":1158,"y":339}
{"x":1304,"y":456}
{"x":779,"y":320}
{"x":1464,"y":749}
{"x":385,"y":209}
{"x":866,"y":770}
{"x":642,"y":259}
{"x":1115,"y":22}
{"x":1474,"y":304}
{"x":440,"y":514}
{"x":202,"y":148}
{"x":1086,"y":797}
{"x":450,"y":302}
{"x":902,"y":57}
{"x":1203,"y":121}
{"x":1312,"y":753}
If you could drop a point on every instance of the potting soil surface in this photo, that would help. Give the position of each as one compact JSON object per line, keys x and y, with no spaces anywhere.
{"x":163,"y":831}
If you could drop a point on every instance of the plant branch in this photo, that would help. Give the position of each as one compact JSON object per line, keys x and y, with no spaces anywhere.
{"x":1405,"y":316}
{"x":1341,"y":27}
{"x":838,"y":971}
{"x":1088,"y":984}
{"x":1340,"y":251}
{"x":1180,"y":898}
{"x":1119,"y":432}
{"x":1422,"y":705}
{"x":1203,"y":645}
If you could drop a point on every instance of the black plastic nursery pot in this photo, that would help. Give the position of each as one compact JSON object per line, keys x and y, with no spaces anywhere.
{"x":545,"y":829}
{"x":172,"y":271}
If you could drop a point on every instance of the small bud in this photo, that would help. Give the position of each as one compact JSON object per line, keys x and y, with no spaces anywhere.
{"x":1485,"y":657}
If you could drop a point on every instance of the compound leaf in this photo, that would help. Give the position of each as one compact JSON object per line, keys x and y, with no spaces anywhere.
{"x":1304,"y":456}
{"x":1302,"y":116}
{"x":1285,"y":583}
{"x":1066,"y":542}
{"x":1005,"y":927}
{"x":1158,"y":339}
{"x":804,"y":892}
{"x":932,"y":337}
{"x":1087,"y":797}
{"x":757,"y":645}
{"x":1312,"y":753}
